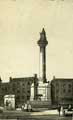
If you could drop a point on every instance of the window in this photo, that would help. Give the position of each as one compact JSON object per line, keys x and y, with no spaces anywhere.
{"x":69,"y":90}
{"x":23,"y":84}
{"x":18,"y":82}
{"x":22,"y":97}
{"x":57,"y":84}
{"x":28,"y":83}
{"x":69,"y":85}
{"x":28,"y":97}
{"x":56,"y":96}
{"x":64,"y":90}
{"x":57,"y":90}
{"x":2,"y":89}
{"x":5,"y":89}
{"x":13,"y":86}
{"x":64,"y":85}
{"x":18,"y":90}
{"x":23,"y":90}
{"x":28,"y":91}
{"x":18,"y":98}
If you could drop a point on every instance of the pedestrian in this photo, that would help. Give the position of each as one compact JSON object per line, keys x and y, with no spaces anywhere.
{"x":59,"y":109}
{"x":29,"y":107}
{"x":22,"y":107}
{"x":25,"y":107}
{"x":69,"y":108}
{"x":62,"y":111}
{"x":7,"y":104}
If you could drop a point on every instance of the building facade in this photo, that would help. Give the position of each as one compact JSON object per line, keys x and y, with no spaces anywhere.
{"x":20,"y":87}
{"x":62,"y":91}
{"x":4,"y":90}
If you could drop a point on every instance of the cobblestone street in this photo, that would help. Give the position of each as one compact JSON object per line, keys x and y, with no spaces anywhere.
{"x":45,"y":115}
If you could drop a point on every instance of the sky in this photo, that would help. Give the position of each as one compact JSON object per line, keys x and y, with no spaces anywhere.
{"x":21,"y":22}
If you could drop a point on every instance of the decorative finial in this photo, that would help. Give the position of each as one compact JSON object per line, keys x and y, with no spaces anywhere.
{"x":43,"y":30}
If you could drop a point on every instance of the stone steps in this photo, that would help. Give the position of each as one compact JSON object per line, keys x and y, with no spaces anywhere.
{"x":40,"y":104}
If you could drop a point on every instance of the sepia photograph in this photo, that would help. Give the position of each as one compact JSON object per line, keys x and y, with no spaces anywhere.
{"x":36,"y":59}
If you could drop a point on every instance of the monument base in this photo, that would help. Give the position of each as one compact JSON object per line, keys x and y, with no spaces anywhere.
{"x":43,"y":92}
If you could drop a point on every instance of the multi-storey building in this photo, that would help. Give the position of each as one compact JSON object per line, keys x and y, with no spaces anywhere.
{"x":4,"y":90}
{"x":20,"y":87}
{"x":62,"y":91}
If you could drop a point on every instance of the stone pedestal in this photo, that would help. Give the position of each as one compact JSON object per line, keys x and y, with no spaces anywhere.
{"x":43,"y":92}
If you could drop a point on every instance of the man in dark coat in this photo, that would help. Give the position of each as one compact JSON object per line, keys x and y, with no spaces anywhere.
{"x":59,"y":109}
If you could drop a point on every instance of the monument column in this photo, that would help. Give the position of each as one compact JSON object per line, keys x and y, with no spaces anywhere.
{"x":42,"y":42}
{"x":43,"y":87}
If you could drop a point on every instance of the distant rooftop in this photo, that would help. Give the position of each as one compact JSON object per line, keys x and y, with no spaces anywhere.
{"x":65,"y":79}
